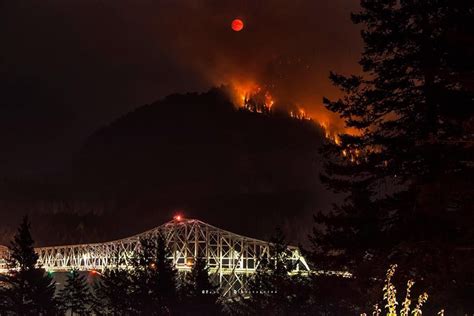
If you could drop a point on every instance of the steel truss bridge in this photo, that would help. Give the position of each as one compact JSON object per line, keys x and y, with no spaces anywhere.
{"x":231,"y":258}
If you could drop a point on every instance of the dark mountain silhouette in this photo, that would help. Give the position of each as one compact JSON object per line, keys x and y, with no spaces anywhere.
{"x":198,"y":153}
{"x":193,"y":153}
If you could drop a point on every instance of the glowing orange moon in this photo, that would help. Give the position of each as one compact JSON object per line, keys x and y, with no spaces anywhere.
{"x":237,"y":25}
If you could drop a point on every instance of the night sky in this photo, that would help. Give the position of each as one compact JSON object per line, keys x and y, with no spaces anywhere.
{"x":68,"y":67}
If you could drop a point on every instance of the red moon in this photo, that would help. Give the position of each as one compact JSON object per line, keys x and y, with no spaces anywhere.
{"x":237,"y":25}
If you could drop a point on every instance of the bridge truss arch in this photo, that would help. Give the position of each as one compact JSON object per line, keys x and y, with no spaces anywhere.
{"x":231,"y":258}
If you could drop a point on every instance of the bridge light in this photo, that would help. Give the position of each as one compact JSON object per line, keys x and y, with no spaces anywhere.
{"x":94,"y":272}
{"x":177,"y":217}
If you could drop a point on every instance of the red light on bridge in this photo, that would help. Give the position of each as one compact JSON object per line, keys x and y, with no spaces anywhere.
{"x":93,"y":272}
{"x":178,"y":217}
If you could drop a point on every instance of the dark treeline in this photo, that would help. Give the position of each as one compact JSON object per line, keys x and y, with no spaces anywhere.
{"x":149,"y":284}
{"x":146,"y":282}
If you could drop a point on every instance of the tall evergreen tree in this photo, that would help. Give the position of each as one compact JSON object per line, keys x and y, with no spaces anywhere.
{"x":166,"y":282}
{"x":144,"y":277}
{"x":272,"y":290}
{"x":199,"y":278}
{"x":147,"y":287}
{"x":200,"y":295}
{"x":27,"y":289}
{"x":407,"y":169}
{"x":75,"y":297}
{"x":113,"y":293}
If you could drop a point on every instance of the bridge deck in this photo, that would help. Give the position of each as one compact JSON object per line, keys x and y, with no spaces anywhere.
{"x":230,"y":257}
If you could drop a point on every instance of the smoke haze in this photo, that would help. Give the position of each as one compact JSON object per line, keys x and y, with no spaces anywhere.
{"x":71,"y":66}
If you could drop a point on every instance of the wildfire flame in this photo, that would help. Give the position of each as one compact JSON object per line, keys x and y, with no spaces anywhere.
{"x":253,"y":97}
{"x":269,"y":101}
{"x":243,"y":91}
{"x":256,"y":98}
